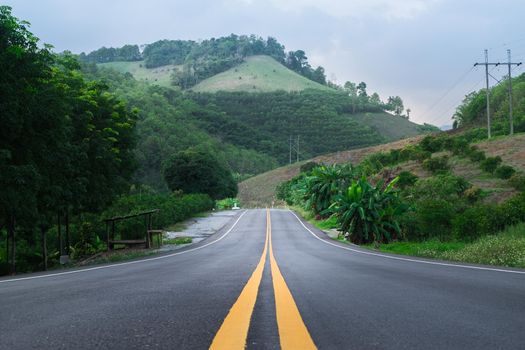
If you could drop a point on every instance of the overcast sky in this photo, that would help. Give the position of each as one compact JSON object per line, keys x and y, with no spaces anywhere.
{"x":417,"y":49}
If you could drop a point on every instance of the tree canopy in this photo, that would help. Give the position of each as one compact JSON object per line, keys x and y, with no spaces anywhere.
{"x":198,"y":171}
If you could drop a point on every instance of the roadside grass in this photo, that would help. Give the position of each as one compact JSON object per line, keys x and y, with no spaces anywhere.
{"x":114,"y":256}
{"x":506,"y":248}
{"x":177,"y":240}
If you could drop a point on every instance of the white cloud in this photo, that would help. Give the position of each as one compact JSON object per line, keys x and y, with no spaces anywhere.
{"x":387,"y":9}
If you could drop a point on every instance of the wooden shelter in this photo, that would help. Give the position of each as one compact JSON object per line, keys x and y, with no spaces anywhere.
{"x":149,"y":233}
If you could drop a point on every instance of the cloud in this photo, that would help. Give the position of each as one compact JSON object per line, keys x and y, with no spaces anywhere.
{"x":386,"y":9}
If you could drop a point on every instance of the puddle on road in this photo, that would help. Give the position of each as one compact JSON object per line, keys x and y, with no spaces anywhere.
{"x":200,"y":228}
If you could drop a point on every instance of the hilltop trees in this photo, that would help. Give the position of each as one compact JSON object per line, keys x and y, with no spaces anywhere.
{"x":111,"y":54}
{"x":395,"y":104}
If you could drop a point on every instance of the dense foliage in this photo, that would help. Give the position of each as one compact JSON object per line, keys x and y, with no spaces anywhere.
{"x":369,"y":213}
{"x":441,"y":206}
{"x":125,"y":53}
{"x":198,"y":171}
{"x":169,"y":122}
{"x":265,"y":121}
{"x":66,"y":145}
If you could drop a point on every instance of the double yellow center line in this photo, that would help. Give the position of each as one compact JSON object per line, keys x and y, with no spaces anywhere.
{"x":293,"y":333}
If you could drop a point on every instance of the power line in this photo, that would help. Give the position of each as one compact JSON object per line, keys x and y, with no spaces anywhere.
{"x":458,"y":81}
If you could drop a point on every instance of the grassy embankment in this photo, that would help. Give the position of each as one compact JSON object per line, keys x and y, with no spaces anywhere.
{"x":505,"y":248}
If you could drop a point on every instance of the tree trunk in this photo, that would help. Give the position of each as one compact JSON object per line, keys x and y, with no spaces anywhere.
{"x":60,"y":246}
{"x":11,"y":235}
{"x":67,"y":231}
{"x":44,"y":248}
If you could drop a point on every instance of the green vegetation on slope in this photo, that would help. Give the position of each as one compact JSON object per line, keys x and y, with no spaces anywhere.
{"x":265,"y":121}
{"x":436,"y":213}
{"x":391,"y":127}
{"x":257,"y":74}
{"x":159,"y":75}
{"x":472,"y":111}
{"x":203,"y":59}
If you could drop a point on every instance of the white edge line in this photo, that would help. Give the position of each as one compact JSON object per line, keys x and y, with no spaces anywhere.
{"x":129,"y":262}
{"x":405,"y":259}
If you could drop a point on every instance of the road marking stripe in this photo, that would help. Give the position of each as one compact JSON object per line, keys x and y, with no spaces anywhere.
{"x":234,"y":330}
{"x":293,"y":333}
{"x":406,"y":259}
{"x":129,"y":262}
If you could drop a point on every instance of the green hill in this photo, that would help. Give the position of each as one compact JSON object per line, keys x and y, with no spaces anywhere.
{"x":159,"y":75}
{"x":390,"y":126}
{"x":258,"y":74}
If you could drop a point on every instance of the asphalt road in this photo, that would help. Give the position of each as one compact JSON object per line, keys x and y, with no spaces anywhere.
{"x":270,"y":283}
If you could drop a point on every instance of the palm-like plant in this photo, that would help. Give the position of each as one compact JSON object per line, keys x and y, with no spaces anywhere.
{"x":324,"y":183}
{"x":367,"y":213}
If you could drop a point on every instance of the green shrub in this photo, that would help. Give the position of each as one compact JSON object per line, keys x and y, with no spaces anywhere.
{"x":490,"y":164}
{"x":226,"y":203}
{"x":513,"y":210}
{"x":443,"y":186}
{"x":459,"y":146}
{"x":433,"y":218}
{"x":475,"y":154}
{"x":412,"y":152}
{"x":307,"y":167}
{"x":406,"y":179}
{"x":504,"y":171}
{"x":432,"y":144}
{"x":436,"y":165}
{"x":477,"y":134}
{"x":173,"y":208}
{"x":518,"y":182}
{"x":473,"y":194}
{"x":477,"y":221}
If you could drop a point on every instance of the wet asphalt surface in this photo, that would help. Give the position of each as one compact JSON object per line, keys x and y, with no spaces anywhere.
{"x":347,"y":299}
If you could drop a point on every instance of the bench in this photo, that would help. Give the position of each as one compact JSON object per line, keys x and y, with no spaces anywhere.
{"x":128,"y":242}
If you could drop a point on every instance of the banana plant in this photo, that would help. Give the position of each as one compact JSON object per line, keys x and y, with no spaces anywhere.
{"x":324,"y":183}
{"x":367,"y":213}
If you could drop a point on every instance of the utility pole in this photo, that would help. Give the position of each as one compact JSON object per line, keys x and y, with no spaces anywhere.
{"x":290,"y":155}
{"x":297,"y":148}
{"x":487,"y":64}
{"x":510,"y":64}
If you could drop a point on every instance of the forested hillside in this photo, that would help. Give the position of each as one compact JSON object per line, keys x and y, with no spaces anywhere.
{"x":201,"y":60}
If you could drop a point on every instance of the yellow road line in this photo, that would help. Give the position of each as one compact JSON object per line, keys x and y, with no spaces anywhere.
{"x":234,"y":329}
{"x":293,"y":333}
